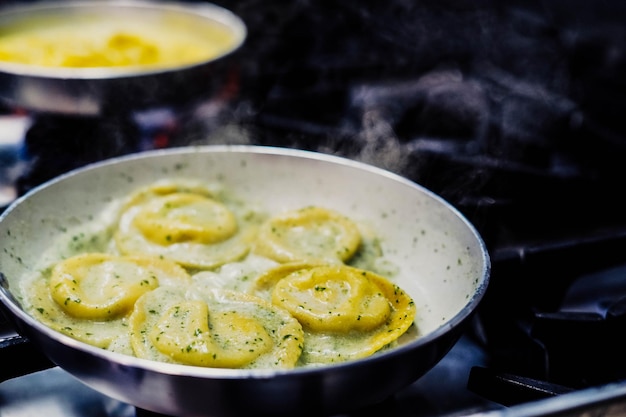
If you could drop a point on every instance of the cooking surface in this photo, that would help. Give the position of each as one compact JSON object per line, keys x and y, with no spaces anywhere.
{"x":513,"y":113}
{"x":58,"y":392}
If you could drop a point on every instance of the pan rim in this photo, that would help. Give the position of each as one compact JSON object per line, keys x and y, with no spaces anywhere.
{"x":218,"y":373}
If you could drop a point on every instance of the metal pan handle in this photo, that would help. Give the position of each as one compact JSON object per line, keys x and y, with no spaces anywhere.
{"x":18,"y":356}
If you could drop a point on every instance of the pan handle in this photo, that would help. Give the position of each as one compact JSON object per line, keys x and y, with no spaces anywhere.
{"x":18,"y":356}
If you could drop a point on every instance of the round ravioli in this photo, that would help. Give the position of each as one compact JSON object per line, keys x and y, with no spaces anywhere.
{"x":88,"y":296}
{"x":101,"y":286}
{"x":214,"y":328}
{"x":185,"y":222}
{"x":346,"y":313}
{"x":310,"y":234}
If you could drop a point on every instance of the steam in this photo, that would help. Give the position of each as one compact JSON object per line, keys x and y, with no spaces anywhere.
{"x":419,"y":82}
{"x":380,"y":145}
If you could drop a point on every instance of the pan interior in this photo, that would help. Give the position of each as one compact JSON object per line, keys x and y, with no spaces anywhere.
{"x":439,"y":258}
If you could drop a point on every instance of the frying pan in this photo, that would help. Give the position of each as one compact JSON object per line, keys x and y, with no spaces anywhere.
{"x":94,"y":91}
{"x":441,"y":259}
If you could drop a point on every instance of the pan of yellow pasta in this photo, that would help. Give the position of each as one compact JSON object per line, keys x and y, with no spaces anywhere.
{"x":240,"y":280}
{"x":95,"y":57}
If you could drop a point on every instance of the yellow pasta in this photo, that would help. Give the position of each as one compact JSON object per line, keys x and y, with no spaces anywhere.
{"x":217,"y":328}
{"x":333,"y":299}
{"x":311,"y":234}
{"x":185,"y":217}
{"x":186,"y":223}
{"x":91,"y":42}
{"x":188,"y":274}
{"x":105,"y":286}
{"x":347,"y":313}
{"x":101,"y":286}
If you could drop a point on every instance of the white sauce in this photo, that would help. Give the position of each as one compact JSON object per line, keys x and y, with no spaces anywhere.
{"x":239,"y":276}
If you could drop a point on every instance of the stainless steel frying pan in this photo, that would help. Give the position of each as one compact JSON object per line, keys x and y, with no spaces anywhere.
{"x":442,"y":262}
{"x":93,"y":91}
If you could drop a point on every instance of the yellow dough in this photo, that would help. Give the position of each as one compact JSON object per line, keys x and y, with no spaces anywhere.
{"x":333,"y":299}
{"x":347,"y":313}
{"x":89,"y":296}
{"x":186,"y":223}
{"x":101,"y":286}
{"x":311,"y":234}
{"x":182,"y":271}
{"x":215,"y":328}
{"x":185,"y":217}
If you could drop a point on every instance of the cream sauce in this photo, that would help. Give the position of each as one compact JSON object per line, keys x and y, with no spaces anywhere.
{"x":238,"y":276}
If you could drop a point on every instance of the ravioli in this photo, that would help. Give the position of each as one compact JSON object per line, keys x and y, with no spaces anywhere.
{"x":88,"y":296}
{"x":310,"y":234}
{"x":186,"y":223}
{"x":184,"y":272}
{"x":214,"y":328}
{"x":346,"y":313}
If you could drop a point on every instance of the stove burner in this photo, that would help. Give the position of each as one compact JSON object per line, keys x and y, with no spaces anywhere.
{"x":553,"y":320}
{"x":509,"y":389}
{"x":587,"y":330}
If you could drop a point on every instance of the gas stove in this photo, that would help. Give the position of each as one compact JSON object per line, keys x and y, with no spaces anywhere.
{"x":510,"y":112}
